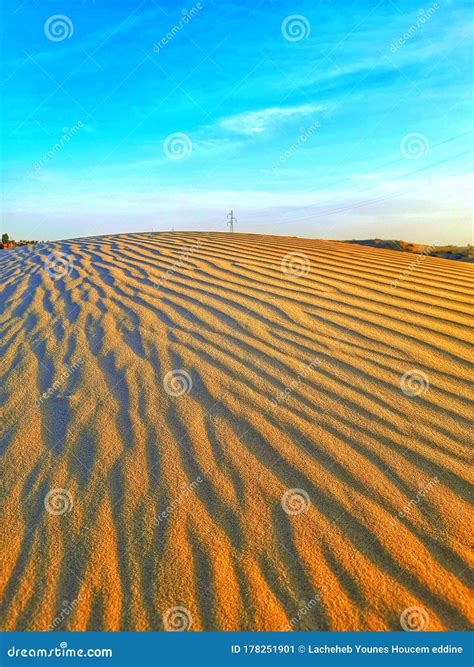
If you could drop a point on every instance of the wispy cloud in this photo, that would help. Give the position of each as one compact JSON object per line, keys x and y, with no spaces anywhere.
{"x":256,"y":122}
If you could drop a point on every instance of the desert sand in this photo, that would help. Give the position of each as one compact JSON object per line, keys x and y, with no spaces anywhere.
{"x":201,"y":432}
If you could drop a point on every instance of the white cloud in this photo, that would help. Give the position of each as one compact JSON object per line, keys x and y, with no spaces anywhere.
{"x":256,"y":122}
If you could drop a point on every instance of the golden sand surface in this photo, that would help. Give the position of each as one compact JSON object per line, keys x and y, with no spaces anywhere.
{"x":234,"y":432}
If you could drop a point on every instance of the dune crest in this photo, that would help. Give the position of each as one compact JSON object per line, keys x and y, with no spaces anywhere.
{"x":233,"y":432}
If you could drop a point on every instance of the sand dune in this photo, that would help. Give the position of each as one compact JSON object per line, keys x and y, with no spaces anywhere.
{"x":201,"y":431}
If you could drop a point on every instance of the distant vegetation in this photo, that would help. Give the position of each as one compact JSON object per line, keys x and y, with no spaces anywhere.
{"x":461,"y":253}
{"x":7,"y":242}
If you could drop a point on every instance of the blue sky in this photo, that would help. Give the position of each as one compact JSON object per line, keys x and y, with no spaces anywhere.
{"x":321,"y":119}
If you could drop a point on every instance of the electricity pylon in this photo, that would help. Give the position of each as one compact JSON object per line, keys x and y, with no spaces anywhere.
{"x":230,"y":222}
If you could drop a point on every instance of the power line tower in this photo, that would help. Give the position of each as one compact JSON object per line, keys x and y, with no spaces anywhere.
{"x":231,"y":220}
